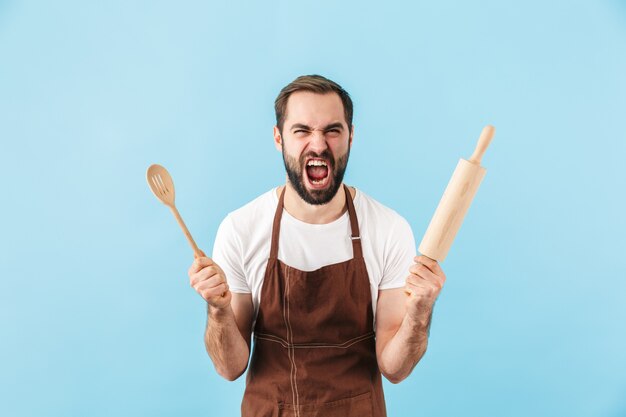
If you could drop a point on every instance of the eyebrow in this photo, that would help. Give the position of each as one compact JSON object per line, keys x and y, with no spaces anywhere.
{"x":336,"y":125}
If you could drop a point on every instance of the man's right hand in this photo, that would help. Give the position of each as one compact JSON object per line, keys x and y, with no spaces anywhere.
{"x":208,"y":279}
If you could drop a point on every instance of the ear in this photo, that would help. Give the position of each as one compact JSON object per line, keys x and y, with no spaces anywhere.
{"x":351,"y":136}
{"x":278,"y":139}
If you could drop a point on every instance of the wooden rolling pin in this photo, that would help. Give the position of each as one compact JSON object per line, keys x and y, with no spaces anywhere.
{"x":456,"y":199}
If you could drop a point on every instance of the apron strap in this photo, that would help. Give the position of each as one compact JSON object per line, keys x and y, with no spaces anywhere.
{"x":276,"y":225}
{"x":354,"y":226}
{"x":357,"y":251}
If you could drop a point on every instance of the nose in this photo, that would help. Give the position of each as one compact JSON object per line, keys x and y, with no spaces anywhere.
{"x":318,"y":141}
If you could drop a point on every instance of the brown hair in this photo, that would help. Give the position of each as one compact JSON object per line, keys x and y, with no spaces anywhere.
{"x":315,"y":84}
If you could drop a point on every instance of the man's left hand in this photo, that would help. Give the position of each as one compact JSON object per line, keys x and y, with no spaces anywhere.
{"x":423,"y":286}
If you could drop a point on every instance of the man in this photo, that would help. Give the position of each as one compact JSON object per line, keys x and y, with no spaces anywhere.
{"x":317,"y":272}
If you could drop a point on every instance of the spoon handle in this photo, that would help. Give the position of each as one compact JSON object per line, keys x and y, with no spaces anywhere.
{"x":181,"y":223}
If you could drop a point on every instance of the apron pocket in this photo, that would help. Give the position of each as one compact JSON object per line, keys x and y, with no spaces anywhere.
{"x":358,"y":406}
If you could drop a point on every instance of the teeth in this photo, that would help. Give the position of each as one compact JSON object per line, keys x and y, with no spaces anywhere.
{"x":316,"y":163}
{"x":318,"y":182}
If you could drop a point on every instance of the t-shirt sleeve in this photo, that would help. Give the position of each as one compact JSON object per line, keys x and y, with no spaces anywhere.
{"x":398,"y":255}
{"x":228,"y":254}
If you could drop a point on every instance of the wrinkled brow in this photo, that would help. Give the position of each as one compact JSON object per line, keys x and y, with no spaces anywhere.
{"x":328,"y":127}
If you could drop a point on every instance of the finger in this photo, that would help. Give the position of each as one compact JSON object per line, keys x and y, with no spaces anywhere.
{"x":420,"y":282}
{"x":422,"y":271}
{"x":414,"y":290}
{"x":204,"y":274}
{"x":427,"y":279}
{"x":200,"y":263}
{"x":422,"y":289}
{"x":212,"y":282}
{"x":430,"y":263}
{"x":214,"y":292}
{"x":425,"y":271}
{"x":199,"y":254}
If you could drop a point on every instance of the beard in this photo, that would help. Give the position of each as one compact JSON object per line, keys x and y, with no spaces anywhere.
{"x":295,"y":172}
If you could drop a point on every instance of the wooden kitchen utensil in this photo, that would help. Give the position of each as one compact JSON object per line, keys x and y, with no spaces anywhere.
{"x":455,"y":201}
{"x":162,"y":187}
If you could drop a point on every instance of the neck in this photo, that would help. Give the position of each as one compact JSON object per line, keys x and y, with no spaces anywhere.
{"x":314,"y":214}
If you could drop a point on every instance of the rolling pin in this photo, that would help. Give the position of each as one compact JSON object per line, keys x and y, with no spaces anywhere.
{"x":456,"y":199}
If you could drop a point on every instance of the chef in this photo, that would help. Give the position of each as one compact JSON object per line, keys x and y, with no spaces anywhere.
{"x":320,"y":274}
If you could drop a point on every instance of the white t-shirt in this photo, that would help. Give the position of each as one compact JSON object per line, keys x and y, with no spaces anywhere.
{"x":243,"y":240}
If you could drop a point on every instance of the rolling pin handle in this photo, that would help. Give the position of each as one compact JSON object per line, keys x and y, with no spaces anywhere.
{"x":483,"y":142}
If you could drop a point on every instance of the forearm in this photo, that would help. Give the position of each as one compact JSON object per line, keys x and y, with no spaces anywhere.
{"x":406,"y":348}
{"x":226,"y":347}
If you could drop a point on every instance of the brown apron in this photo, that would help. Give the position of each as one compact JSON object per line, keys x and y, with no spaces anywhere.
{"x":314,"y":344}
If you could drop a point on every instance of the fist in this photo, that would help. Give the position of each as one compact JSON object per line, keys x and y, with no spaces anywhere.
{"x":208,"y":279}
{"x":423,"y":286}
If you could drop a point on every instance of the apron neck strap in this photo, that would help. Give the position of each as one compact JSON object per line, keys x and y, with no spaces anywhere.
{"x":354,"y":225}
{"x":276,"y":226}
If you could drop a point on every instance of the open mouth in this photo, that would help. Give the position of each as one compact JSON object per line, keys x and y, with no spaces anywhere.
{"x":317,"y":172}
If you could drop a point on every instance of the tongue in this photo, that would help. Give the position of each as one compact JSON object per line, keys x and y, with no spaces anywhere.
{"x":317,"y":172}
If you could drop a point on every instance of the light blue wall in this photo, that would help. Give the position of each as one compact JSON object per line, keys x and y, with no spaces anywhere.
{"x":96,"y":315}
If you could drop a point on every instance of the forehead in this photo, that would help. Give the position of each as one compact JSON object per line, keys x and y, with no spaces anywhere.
{"x":314,"y":109}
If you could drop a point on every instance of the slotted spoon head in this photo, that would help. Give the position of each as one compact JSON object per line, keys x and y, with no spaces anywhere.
{"x":161,"y":184}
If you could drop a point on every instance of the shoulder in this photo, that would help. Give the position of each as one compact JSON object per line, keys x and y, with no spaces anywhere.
{"x":373,"y":210}
{"x":254,"y":212}
{"x":382,"y":227}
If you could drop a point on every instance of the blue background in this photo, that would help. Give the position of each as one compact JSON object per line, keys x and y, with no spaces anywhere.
{"x":96,"y":314}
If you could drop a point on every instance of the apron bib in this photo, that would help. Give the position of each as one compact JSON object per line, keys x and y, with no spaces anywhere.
{"x":314,"y":345}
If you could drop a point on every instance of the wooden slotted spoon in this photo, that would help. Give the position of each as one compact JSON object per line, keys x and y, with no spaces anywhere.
{"x":162,"y":187}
